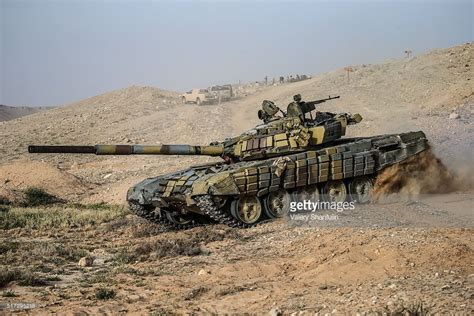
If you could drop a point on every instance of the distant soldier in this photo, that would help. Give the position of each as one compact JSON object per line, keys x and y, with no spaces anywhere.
{"x":282,"y":79}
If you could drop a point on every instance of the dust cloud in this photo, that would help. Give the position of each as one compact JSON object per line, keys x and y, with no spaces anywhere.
{"x":423,"y":173}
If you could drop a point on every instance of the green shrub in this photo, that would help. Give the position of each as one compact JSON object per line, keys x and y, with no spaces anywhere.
{"x":105,"y":294}
{"x":9,"y":293}
{"x":4,"y":201}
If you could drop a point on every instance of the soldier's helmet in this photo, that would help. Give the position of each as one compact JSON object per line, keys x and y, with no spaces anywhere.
{"x":297,"y":97}
{"x":269,"y":107}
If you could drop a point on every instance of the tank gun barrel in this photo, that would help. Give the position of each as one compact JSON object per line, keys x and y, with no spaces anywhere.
{"x":130,"y":150}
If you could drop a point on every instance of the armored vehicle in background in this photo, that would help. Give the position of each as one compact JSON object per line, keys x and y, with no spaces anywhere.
{"x":298,"y":154}
{"x":199,"y":96}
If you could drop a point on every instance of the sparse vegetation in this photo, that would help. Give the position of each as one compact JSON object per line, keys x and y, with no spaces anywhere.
{"x":8,"y":246}
{"x":53,"y":278}
{"x":93,"y":206}
{"x":105,"y":294}
{"x":195,"y":293}
{"x":41,"y":255}
{"x":403,"y":308}
{"x":23,"y":277}
{"x":210,"y":234}
{"x":4,"y":201}
{"x":159,"y":249}
{"x":58,"y":217}
{"x":4,"y":204}
{"x":9,"y":293}
{"x":32,"y":279}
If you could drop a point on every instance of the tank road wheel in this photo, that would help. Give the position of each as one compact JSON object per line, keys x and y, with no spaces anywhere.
{"x":310,"y":193}
{"x":335,"y":191}
{"x":247,"y":209}
{"x":360,"y":189}
{"x":198,"y":101}
{"x":277,"y":204}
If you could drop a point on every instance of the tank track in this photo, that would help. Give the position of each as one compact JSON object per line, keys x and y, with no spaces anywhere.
{"x":207,"y":205}
{"x":153,"y":216}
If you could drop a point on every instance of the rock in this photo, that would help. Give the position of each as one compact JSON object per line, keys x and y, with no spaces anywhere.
{"x":203,"y":272}
{"x":107,"y":175}
{"x":454,"y":116}
{"x":85,"y":262}
{"x":275,"y":311}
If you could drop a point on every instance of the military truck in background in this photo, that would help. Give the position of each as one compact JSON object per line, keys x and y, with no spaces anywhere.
{"x":199,"y":96}
{"x":213,"y":94}
{"x":224,"y":92}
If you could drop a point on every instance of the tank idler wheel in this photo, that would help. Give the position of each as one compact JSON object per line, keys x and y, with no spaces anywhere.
{"x":335,"y":191}
{"x":246,"y":209}
{"x":310,"y":192}
{"x":277,"y":204}
{"x":361,"y":189}
{"x":181,"y":219}
{"x":174,"y":220}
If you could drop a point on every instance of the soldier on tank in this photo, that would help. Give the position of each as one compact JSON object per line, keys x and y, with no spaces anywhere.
{"x":268,"y":111}
{"x":299,"y":108}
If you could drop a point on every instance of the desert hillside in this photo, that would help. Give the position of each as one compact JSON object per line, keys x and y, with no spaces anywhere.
{"x":8,"y":113}
{"x":407,"y":94}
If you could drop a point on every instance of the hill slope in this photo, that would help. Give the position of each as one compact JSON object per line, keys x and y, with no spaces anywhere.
{"x":396,"y":96}
{"x":8,"y":113}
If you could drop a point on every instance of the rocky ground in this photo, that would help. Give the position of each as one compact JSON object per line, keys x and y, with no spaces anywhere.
{"x":408,"y":254}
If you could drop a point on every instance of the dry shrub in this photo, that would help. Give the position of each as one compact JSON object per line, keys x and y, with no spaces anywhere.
{"x":158,"y":249}
{"x":23,"y":277}
{"x":60,"y":216}
{"x":212,"y":233}
{"x":105,"y":294}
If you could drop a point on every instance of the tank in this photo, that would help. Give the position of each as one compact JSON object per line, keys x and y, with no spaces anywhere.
{"x":297,"y":154}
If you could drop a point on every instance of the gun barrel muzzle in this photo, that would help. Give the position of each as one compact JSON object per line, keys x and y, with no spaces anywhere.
{"x":61,"y":149}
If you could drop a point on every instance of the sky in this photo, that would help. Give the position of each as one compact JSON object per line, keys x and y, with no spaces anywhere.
{"x":58,"y":52}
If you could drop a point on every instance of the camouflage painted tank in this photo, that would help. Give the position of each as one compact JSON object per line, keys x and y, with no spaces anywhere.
{"x":297,"y":154}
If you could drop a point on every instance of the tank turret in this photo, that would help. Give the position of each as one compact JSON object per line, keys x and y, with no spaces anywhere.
{"x":279,"y":135}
